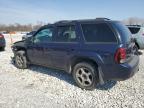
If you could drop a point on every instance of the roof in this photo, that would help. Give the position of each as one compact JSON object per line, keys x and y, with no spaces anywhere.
{"x":63,"y":22}
{"x":84,"y":20}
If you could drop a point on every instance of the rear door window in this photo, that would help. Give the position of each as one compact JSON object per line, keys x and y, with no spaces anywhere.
{"x":100,"y":32}
{"x":66,"y":34}
{"x":134,"y":30}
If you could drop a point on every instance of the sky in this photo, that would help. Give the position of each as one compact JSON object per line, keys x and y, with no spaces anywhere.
{"x":49,"y":11}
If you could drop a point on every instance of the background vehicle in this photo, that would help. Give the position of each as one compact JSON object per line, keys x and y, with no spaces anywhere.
{"x":91,"y":50}
{"x":2,"y":42}
{"x":28,"y":35}
{"x":137,"y":33}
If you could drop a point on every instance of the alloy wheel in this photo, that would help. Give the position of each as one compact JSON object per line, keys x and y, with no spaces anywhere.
{"x":84,"y":76}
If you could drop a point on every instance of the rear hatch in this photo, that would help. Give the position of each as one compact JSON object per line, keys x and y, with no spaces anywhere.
{"x":126,"y":40}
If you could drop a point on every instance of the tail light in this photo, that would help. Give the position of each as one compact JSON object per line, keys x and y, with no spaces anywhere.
{"x":1,"y":36}
{"x":120,"y":55}
{"x":143,"y":34}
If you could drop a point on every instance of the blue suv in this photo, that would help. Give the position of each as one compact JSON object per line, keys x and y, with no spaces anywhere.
{"x":93,"y":51}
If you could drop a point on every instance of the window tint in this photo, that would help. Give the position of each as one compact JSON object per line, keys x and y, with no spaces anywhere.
{"x":134,"y":30}
{"x":66,"y":34}
{"x":98,"y":33}
{"x":44,"y":36}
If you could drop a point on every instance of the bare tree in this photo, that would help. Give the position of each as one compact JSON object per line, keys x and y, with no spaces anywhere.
{"x":134,"y":21}
{"x":19,"y":27}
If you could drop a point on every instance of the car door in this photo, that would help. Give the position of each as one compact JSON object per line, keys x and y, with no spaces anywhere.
{"x":65,"y":46}
{"x":37,"y":51}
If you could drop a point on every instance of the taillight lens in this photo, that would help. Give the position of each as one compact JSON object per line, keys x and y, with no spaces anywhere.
{"x":1,"y":36}
{"x":120,"y":55}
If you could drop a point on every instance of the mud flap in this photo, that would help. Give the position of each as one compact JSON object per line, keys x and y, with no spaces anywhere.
{"x":100,"y":76}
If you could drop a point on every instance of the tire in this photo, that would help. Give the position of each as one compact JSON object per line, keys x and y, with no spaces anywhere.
{"x":85,"y":75}
{"x":20,"y":60}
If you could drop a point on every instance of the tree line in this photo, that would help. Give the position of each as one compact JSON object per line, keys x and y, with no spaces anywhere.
{"x":134,"y":21}
{"x":19,"y":27}
{"x":30,"y":27}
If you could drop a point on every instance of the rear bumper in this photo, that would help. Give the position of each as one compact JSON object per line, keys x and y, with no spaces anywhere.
{"x":122,"y":72}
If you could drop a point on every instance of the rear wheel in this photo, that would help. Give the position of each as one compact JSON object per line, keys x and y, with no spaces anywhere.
{"x":20,"y":60}
{"x":85,"y":75}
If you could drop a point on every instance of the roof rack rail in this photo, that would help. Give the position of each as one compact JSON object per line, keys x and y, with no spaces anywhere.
{"x":102,"y":19}
{"x":63,"y":21}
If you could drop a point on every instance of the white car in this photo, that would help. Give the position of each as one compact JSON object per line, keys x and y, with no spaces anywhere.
{"x":138,"y":34}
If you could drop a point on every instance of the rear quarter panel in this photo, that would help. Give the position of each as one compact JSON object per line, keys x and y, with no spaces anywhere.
{"x":103,"y":54}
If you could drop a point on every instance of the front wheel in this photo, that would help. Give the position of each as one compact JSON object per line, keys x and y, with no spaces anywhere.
{"x":85,"y":75}
{"x":20,"y":60}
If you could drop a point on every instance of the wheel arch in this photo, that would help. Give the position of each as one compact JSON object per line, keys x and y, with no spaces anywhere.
{"x":77,"y":60}
{"x":21,"y":49}
{"x":16,"y":49}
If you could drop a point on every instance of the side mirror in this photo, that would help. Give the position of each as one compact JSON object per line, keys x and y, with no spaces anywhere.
{"x":29,"y":39}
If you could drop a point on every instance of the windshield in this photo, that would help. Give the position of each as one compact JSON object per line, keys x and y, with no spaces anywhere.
{"x":123,"y":31}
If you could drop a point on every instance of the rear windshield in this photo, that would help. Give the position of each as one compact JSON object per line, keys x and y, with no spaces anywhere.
{"x":134,"y":30}
{"x":123,"y":31}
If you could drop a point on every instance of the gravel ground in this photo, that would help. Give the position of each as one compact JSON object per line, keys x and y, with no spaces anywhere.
{"x":39,"y":87}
